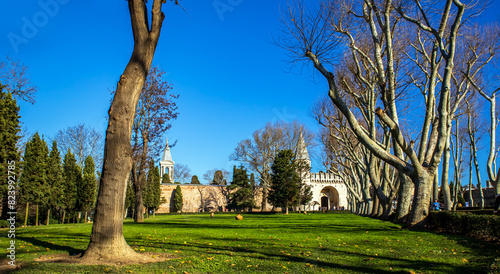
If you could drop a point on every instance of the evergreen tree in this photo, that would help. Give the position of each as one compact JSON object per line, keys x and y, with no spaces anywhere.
{"x":284,"y":189}
{"x":156,"y":199}
{"x":152,"y":189}
{"x":54,"y":180}
{"x":33,"y":185}
{"x":242,"y":198}
{"x":87,"y":188}
{"x":194,"y":180}
{"x":72,"y":177}
{"x":9,"y":156}
{"x":178,"y":203}
{"x":129,"y":197}
{"x":165,"y":179}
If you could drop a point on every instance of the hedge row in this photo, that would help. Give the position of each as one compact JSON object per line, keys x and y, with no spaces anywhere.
{"x":467,"y":224}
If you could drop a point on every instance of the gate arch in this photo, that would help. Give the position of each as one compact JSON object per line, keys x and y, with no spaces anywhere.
{"x":329,"y":197}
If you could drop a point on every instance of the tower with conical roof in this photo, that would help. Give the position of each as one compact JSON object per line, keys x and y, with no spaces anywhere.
{"x":166,"y":163}
{"x":301,"y":153}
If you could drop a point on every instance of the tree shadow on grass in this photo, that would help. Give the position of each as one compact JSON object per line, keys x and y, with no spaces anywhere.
{"x":51,"y":246}
{"x":269,"y":252}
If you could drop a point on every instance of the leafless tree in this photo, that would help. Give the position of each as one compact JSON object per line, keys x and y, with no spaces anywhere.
{"x":257,"y":153}
{"x":107,"y":241}
{"x":15,"y":76}
{"x":83,"y":141}
{"x":475,"y":130}
{"x":217,"y":176}
{"x":181,"y":173}
{"x":485,"y":43}
{"x":155,"y":110}
{"x":311,"y":34}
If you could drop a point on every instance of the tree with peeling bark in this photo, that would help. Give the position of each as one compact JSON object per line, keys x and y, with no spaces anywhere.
{"x":485,"y":43}
{"x":106,"y":241}
{"x":475,"y":130}
{"x":311,"y":35}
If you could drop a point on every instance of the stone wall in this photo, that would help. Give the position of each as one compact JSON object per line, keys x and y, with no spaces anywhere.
{"x":202,"y":198}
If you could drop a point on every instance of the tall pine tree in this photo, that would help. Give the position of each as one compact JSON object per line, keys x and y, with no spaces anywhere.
{"x":33,"y":185}
{"x":284,"y":189}
{"x":87,"y":188}
{"x":178,"y":201}
{"x":54,"y":180}
{"x":72,"y":178}
{"x":9,"y":156}
{"x":242,"y":197}
{"x":152,"y":190}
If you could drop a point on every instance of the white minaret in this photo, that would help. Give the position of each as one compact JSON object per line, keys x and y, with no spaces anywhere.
{"x":166,"y":163}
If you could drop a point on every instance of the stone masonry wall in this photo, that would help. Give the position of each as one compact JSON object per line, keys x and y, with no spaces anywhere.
{"x":202,"y":198}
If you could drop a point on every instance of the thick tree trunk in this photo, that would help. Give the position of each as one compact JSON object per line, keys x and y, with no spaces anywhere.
{"x":139,"y":204}
{"x":421,"y":200}
{"x":404,"y":198}
{"x":107,"y":241}
{"x":445,"y":188}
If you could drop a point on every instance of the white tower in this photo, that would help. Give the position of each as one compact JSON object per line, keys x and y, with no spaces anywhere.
{"x":166,"y":163}
{"x":301,"y":153}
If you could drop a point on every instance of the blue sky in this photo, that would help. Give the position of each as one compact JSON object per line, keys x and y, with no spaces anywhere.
{"x":230,"y":76}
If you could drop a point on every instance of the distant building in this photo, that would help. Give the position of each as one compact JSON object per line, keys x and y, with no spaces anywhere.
{"x":328,"y":190}
{"x":166,"y":163}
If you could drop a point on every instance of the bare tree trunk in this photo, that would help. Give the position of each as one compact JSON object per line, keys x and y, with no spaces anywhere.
{"x":26,"y":215}
{"x":48,"y":216}
{"x":64,"y":215}
{"x":107,"y":241}
{"x":36,"y":218}
{"x":471,"y":199}
{"x":421,"y":200}
{"x":404,"y":198}
{"x":445,"y":188}
{"x":86,"y":217}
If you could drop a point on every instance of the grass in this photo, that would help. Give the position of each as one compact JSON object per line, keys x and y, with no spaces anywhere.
{"x":295,"y":243}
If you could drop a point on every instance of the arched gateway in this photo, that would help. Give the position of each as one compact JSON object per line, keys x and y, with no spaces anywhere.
{"x":328,"y":190}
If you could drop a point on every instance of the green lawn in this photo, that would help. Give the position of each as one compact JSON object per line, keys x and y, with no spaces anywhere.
{"x":295,"y":243}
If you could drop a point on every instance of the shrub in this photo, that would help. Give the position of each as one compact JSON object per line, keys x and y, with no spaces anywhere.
{"x":4,"y":224}
{"x":467,"y":224}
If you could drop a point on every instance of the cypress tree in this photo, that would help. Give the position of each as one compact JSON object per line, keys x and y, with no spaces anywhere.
{"x":54,"y":180}
{"x":9,"y":156}
{"x":87,"y":188}
{"x":72,"y":178}
{"x":165,"y":179}
{"x":156,"y":189}
{"x":284,"y":189}
{"x":178,"y":203}
{"x":129,"y":198}
{"x":242,"y":198}
{"x":194,"y":180}
{"x":33,"y":185}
